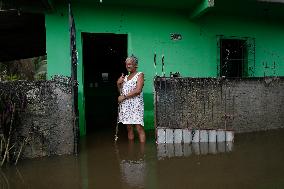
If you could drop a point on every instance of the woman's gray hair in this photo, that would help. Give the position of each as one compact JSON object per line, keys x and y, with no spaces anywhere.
{"x":133,"y":58}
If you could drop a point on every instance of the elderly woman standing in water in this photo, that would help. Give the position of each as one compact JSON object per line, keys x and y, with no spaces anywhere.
{"x":131,"y":110}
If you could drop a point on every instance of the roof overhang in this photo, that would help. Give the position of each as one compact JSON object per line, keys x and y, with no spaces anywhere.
{"x":261,"y":9}
{"x":272,"y":1}
{"x":154,"y":4}
{"x":194,"y":8}
{"x":26,"y":5}
{"x":202,"y":8}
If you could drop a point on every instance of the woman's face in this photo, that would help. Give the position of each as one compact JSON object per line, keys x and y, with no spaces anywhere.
{"x":130,"y":65}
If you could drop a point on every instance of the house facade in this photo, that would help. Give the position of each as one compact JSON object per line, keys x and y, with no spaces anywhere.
{"x":196,"y":38}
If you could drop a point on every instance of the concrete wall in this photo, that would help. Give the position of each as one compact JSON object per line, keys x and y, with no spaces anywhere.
{"x":46,"y":121}
{"x":243,"y":105}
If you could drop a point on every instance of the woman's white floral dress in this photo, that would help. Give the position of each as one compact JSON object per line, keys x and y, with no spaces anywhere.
{"x":131,"y":111}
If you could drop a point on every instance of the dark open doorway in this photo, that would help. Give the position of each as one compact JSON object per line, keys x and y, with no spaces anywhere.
{"x":103,"y":62}
{"x":233,"y":58}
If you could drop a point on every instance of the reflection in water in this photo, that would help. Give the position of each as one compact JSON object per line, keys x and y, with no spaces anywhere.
{"x":184,"y":150}
{"x":254,"y":161}
{"x":4,"y":183}
{"x":133,"y":165}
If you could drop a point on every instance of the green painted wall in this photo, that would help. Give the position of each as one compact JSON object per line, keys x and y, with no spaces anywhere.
{"x":268,"y":34}
{"x":149,"y":32}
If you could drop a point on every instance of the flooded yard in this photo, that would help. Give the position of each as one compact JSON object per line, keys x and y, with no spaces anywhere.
{"x":254,"y":160}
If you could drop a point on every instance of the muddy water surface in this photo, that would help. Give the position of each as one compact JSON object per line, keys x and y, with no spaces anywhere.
{"x":254,"y":160}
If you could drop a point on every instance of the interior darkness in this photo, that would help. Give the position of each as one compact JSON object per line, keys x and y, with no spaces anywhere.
{"x":233,"y":57}
{"x":22,"y":35}
{"x":103,"y":59}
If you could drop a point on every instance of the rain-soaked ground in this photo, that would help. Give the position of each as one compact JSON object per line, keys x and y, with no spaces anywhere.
{"x":255,"y":160}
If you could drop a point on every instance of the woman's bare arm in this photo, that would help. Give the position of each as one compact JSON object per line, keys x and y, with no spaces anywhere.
{"x":119,"y":83}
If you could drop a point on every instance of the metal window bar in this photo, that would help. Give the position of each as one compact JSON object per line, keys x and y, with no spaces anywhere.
{"x":248,"y":60}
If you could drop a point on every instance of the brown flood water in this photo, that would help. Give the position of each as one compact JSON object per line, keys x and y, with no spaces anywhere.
{"x":255,"y":160}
